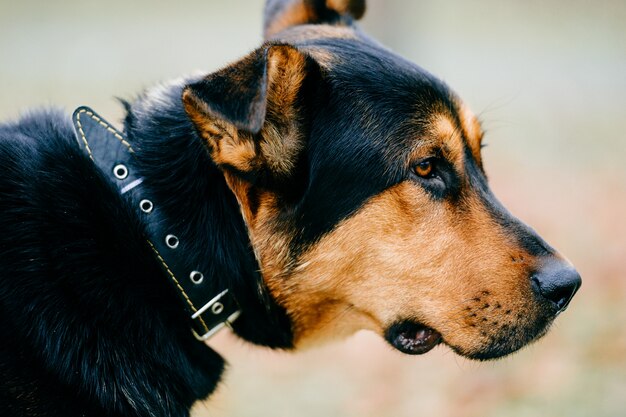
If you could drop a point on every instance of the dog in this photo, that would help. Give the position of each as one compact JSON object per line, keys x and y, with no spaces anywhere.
{"x":318,"y":186}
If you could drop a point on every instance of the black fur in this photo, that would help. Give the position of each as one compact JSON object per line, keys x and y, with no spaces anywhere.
{"x":95,"y":327}
{"x":363,"y":116}
{"x":238,"y":93}
{"x":92,"y":325}
{"x":194,"y":196}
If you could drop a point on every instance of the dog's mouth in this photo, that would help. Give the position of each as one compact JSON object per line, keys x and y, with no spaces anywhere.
{"x":412,"y":338}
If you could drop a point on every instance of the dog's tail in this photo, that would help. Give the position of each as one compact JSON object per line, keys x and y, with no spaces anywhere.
{"x":282,"y":14}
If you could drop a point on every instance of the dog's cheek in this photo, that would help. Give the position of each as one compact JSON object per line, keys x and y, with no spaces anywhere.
{"x":352,"y":279}
{"x":404,"y":256}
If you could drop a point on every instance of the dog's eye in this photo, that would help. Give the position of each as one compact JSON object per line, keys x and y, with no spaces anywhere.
{"x":425,"y":168}
{"x":435,"y":175}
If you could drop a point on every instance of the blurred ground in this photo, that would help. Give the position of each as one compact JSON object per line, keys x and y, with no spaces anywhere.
{"x":549,"y":81}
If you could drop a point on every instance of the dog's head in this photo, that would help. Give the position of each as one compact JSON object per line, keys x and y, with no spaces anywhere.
{"x":360,"y":179}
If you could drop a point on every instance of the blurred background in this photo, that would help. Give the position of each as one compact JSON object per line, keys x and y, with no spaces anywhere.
{"x":548,"y":79}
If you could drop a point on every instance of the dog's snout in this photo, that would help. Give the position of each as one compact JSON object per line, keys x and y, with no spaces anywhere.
{"x":557,"y":281}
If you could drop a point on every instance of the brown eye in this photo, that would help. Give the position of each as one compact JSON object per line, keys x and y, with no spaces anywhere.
{"x":424,"y":169}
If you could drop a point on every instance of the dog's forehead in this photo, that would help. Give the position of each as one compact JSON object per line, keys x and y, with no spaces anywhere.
{"x":336,"y":47}
{"x":346,"y":52}
{"x":390,"y":92}
{"x":386,"y":86}
{"x":379,"y":107}
{"x":364,"y":74}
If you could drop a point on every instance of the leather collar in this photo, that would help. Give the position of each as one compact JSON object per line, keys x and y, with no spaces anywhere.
{"x":113,"y":155}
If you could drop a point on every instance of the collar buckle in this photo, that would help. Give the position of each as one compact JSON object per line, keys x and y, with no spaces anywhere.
{"x":222,"y":310}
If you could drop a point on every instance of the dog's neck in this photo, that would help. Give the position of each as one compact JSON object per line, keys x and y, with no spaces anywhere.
{"x":193,"y":197}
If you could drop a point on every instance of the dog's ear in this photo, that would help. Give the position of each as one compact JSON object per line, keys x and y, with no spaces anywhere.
{"x":248,"y":112}
{"x":282,"y":14}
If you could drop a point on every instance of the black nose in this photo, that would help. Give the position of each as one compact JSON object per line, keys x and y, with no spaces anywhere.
{"x":558,"y":282}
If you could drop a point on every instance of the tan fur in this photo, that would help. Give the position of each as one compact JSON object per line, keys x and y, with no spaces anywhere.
{"x":228,"y":146}
{"x":355,"y":8}
{"x":296,"y":13}
{"x":444,"y":137}
{"x":471,"y":130}
{"x":281,"y":142}
{"x":402,"y":256}
{"x":299,"y":12}
{"x":382,"y":265}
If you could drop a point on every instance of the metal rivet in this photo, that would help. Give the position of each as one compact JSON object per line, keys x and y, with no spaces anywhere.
{"x":196,"y":277}
{"x":120,"y":171}
{"x":171,"y":241}
{"x":146,"y":206}
{"x":217,"y":308}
